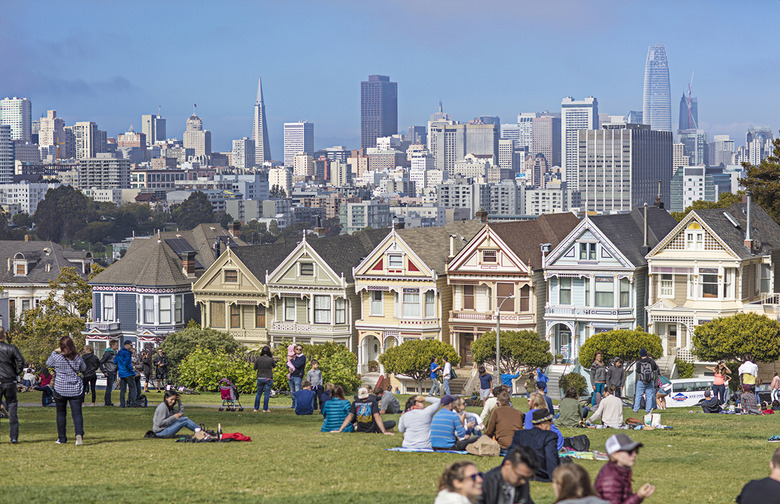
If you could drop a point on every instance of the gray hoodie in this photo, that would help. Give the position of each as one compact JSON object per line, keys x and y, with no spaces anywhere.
{"x":163,"y":415}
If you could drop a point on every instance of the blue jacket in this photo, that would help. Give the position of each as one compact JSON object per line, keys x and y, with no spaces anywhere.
{"x":304,"y":402}
{"x":300,"y":364}
{"x":507,"y":378}
{"x":124,"y":362}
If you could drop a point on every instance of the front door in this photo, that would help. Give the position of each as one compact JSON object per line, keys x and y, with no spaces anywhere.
{"x":466,"y":357}
{"x":563,"y":344}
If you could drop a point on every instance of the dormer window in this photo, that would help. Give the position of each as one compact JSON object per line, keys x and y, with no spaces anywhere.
{"x":489,"y":256}
{"x":694,"y":237}
{"x":587,"y":251}
{"x":21,"y":268}
{"x":231,"y":276}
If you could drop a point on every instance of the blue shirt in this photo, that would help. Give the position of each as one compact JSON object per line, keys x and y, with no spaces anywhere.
{"x":335,"y":410}
{"x":446,"y":429}
{"x":507,"y":378}
{"x":485,"y":381}
{"x":433,"y":370}
{"x":304,"y":402}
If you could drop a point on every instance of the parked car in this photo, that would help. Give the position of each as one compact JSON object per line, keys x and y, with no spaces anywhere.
{"x":687,"y":392}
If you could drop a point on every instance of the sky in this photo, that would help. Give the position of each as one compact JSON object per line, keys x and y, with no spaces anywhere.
{"x":111,"y":62}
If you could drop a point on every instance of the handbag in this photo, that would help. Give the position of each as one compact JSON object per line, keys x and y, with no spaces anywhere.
{"x":485,"y":446}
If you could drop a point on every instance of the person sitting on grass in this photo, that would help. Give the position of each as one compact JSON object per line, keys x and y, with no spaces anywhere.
{"x":304,"y":399}
{"x":610,"y":410}
{"x":335,"y":410}
{"x":748,"y":401}
{"x":571,"y":485}
{"x":536,"y":402}
{"x":365,"y":412}
{"x":415,"y":423}
{"x":569,"y":409}
{"x":504,"y":421}
{"x":387,"y":401}
{"x":766,"y":490}
{"x":169,"y":416}
{"x":710,"y":404}
{"x":471,"y":421}
{"x":490,"y":403}
{"x":541,"y":389}
{"x":542,"y":441}
{"x":508,"y":482}
{"x":613,"y":482}
{"x":447,"y":432}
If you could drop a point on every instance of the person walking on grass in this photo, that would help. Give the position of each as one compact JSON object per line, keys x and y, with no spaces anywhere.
{"x":461,"y":483}
{"x":435,"y":390}
{"x":485,"y":384}
{"x":264,"y":365}
{"x":160,"y":363}
{"x":146,"y":361}
{"x":766,"y":490}
{"x":646,"y":376}
{"x":124,"y":362}
{"x":109,"y":368}
{"x":89,"y":376}
{"x":11,"y":366}
{"x":169,"y":416}
{"x":598,"y":376}
{"x":613,"y":482}
{"x":68,"y":388}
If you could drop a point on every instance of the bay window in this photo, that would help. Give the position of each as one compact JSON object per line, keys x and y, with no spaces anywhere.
{"x":377,"y":307}
{"x":178,"y":309}
{"x":289,"y":308}
{"x":565,"y":291}
{"x":148,"y":307}
{"x":108,"y":307}
{"x":625,"y":293}
{"x":322,"y":309}
{"x":165,"y":309}
{"x":341,"y":311}
{"x":217,"y":315}
{"x":411,"y":303}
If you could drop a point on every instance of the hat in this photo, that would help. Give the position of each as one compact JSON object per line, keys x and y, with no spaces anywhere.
{"x":362,"y":393}
{"x":541,"y":415}
{"x":128,"y":342}
{"x":448,"y":399}
{"x":643,"y":352}
{"x":621,"y":442}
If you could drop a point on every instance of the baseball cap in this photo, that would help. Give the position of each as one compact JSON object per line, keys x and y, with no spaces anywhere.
{"x":362,"y":393}
{"x":448,"y":399}
{"x":621,"y":442}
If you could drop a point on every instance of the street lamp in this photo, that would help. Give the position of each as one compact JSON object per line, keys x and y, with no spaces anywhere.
{"x":497,"y":378}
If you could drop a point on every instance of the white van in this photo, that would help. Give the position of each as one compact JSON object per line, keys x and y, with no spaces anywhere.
{"x":687,"y":392}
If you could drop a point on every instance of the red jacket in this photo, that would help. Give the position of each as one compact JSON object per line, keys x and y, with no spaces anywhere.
{"x":614,"y":484}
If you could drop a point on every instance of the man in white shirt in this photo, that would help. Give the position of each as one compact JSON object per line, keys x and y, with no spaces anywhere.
{"x":446,"y":374}
{"x":748,"y":372}
{"x":610,"y":410}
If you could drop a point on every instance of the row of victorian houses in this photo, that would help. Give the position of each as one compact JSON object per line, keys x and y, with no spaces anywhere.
{"x":558,"y":275}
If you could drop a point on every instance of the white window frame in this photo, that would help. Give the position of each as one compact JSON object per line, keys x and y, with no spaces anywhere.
{"x":603,"y":290}
{"x":430,"y":304}
{"x":588,"y":249}
{"x":624,"y":282}
{"x":391,"y":258}
{"x":562,"y":289}
{"x":146,"y":310}
{"x":165,"y":309}
{"x":322,"y":309}
{"x":410,"y":304}
{"x":178,"y":309}
{"x":302,"y":264}
{"x":109,"y":316}
{"x":694,"y":239}
{"x":290,"y":309}
{"x":666,"y":285}
{"x":377,"y":302}
{"x":341,"y":311}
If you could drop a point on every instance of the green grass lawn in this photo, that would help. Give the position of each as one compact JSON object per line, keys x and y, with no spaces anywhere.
{"x":706,"y":458}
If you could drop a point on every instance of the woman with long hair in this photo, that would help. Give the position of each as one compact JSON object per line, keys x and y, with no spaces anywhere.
{"x":335,"y":411}
{"x":264,"y":365}
{"x":571,"y":484}
{"x":722,"y":374}
{"x":461,"y":483}
{"x":169,"y":416}
{"x":89,"y":376}
{"x":68,"y":388}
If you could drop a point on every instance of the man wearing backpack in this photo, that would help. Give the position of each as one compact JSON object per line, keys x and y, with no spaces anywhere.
{"x":646,"y":375}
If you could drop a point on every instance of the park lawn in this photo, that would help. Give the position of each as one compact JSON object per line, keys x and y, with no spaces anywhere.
{"x":706,"y":458}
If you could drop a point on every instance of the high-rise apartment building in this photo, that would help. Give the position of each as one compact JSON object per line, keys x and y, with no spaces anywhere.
{"x":154,"y":127}
{"x":657,"y":96}
{"x":87,"y":137}
{"x":758,"y":143}
{"x":525,"y":128}
{"x":452,"y":142}
{"x":6,"y":154}
{"x":689,"y":113}
{"x":298,"y":138}
{"x":421,"y":164}
{"x":506,"y":154}
{"x":244,"y":153}
{"x":679,"y":159}
{"x":196,"y":138}
{"x":721,"y":151}
{"x":17,"y":113}
{"x":546,"y":138}
{"x":52,"y":132}
{"x":103,"y":172}
{"x":695,"y":146}
{"x":260,"y":129}
{"x":576,"y":115}
{"x":280,"y":179}
{"x":620,"y":167}
{"x":378,"y":109}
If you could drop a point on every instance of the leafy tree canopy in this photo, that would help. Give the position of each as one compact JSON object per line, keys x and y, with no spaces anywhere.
{"x":195,"y":210}
{"x":179,"y":345}
{"x":62,"y":213}
{"x":724,"y":200}
{"x":763,"y":180}
{"x":77,"y":293}
{"x":39,"y":331}
{"x":413,"y":358}
{"x":623,"y":343}
{"x":733,"y":338}
{"x":520,"y":350}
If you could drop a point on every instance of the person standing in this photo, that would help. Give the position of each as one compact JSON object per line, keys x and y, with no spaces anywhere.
{"x":721,"y":374}
{"x":314,"y":376}
{"x":775,"y":386}
{"x":138,"y":367}
{"x":748,"y":372}
{"x":109,"y":368}
{"x":446,"y":375}
{"x":766,"y":490}
{"x":68,"y":388}
{"x":598,"y":376}
{"x":435,"y":390}
{"x":160,"y":363}
{"x":146,"y":361}
{"x":11,"y":366}
{"x":298,"y":362}
{"x":646,"y":376}
{"x":485,"y":383}
{"x":89,"y":377}
{"x":124,"y":362}
{"x":616,"y":377}
{"x":264,"y":365}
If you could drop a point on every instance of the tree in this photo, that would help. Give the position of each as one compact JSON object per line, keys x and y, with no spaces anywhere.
{"x":195,"y":210}
{"x":733,"y":338}
{"x":763,"y":181}
{"x":413,"y":358}
{"x":62,"y":213}
{"x":39,"y":331}
{"x":179,"y":345}
{"x":23,"y":220}
{"x":77,"y":293}
{"x":337,"y":363}
{"x":725,"y":200}
{"x":203,"y":369}
{"x":623,"y":343}
{"x":520,"y":350}
{"x":332,"y":226}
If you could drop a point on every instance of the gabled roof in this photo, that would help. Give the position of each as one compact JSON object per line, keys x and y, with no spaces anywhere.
{"x":432,"y":244}
{"x":40,"y":257}
{"x":765,"y":232}
{"x":344,"y":252}
{"x":262,"y":259}
{"x":626,"y":231}
{"x":525,"y":237}
{"x":150,"y":262}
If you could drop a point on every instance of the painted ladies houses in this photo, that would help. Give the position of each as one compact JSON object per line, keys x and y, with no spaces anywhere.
{"x":402,"y":286}
{"x":499,"y":273}
{"x":714,"y":263}
{"x":148,"y":293}
{"x":597,"y":277}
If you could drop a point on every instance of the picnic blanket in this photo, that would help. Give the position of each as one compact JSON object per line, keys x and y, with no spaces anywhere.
{"x":582,"y":455}
{"x":426,"y":450}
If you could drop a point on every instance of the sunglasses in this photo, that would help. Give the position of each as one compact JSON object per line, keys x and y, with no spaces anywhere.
{"x":475,"y":476}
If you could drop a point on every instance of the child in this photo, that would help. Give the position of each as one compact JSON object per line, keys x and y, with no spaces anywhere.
{"x":327,"y":395}
{"x":315,"y":377}
{"x":613,"y":482}
{"x":304,"y":399}
{"x":485,"y":381}
{"x":290,"y":367}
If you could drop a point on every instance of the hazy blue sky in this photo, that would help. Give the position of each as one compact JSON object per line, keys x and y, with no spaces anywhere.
{"x":110,"y":62}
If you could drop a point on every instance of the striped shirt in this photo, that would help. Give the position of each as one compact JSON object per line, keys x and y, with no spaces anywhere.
{"x":335,"y":411}
{"x":67,"y":382}
{"x":446,"y":429}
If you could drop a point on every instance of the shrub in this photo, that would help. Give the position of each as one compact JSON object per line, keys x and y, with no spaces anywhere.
{"x":685,"y":369}
{"x":732,"y":338}
{"x":178,"y":346}
{"x":204,"y":368}
{"x":575,"y":380}
{"x":623,"y":343}
{"x":337,"y":363}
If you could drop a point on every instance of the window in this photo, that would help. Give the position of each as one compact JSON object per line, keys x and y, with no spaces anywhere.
{"x":667,"y":285}
{"x":148,"y":304}
{"x":377,"y":307}
{"x":341,"y":311}
{"x":322,"y":309}
{"x":565,"y":291}
{"x":395,"y":261}
{"x":430,"y":306}
{"x":625,"y":293}
{"x":490,"y":256}
{"x":605,"y":292}
{"x":231,"y":276}
{"x":25,"y":305}
{"x":525,"y":298}
{"x":503,"y":292}
{"x":235,"y":316}
{"x":586,"y":282}
{"x":411,"y":303}
{"x":12,"y":307}
{"x":587,"y":251}
{"x":694,"y":237}
{"x":259,"y":316}
{"x":217,"y":313}
{"x":165,"y":309}
{"x":709,"y":285}
{"x":765,"y":277}
{"x":178,"y":309}
{"x":289,"y":308}
{"x":108,"y":307}
{"x":20,"y":269}
{"x":468,"y":297}
{"x":307,"y":269}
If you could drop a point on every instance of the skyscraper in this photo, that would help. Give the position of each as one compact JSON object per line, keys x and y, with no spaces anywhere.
{"x":260,"y":129}
{"x":689,"y":116}
{"x":6,"y":154}
{"x":154,"y":128}
{"x":575,"y":116}
{"x":298,"y":138}
{"x":546,"y":138}
{"x":378,"y":109}
{"x":657,"y":97}
{"x":87,"y":139}
{"x":244,"y":153}
{"x":17,"y":113}
{"x":196,"y":138}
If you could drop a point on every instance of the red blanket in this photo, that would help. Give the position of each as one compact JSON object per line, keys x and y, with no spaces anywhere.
{"x":235,"y":436}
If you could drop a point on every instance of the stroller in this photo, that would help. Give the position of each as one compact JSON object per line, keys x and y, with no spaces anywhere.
{"x":229,"y":393}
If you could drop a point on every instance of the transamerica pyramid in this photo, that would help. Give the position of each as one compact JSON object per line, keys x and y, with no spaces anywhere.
{"x":260,"y":129}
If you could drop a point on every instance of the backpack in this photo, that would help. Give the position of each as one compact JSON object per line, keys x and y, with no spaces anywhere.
{"x":452,"y":374}
{"x":646,"y":371}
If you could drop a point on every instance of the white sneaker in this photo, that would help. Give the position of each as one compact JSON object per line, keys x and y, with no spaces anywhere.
{"x":197,"y":429}
{"x":79,"y":441}
{"x":58,"y":442}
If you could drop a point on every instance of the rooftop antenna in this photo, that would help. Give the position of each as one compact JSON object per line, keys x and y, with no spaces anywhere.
{"x":159,"y":110}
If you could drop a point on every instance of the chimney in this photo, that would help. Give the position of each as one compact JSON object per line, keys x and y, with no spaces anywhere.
{"x":645,"y":244}
{"x":452,"y":245}
{"x":217,"y":248}
{"x":658,"y":202}
{"x":482,"y":215}
{"x":26,"y":238}
{"x":188,"y":264}
{"x":235,"y":229}
{"x":748,"y":239}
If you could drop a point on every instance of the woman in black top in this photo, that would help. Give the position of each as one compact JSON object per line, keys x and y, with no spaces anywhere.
{"x":265,"y":377}
{"x":89,"y":376}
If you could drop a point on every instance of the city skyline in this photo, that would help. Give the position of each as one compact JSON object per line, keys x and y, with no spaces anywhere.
{"x":72,"y":64}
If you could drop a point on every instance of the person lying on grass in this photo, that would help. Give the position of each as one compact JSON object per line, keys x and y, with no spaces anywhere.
{"x":169,"y":417}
